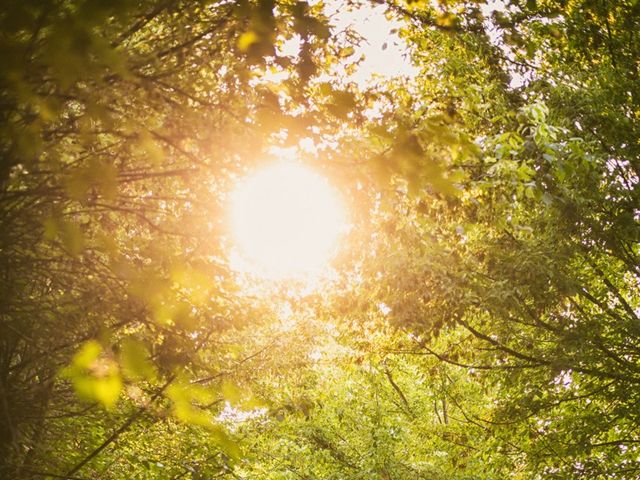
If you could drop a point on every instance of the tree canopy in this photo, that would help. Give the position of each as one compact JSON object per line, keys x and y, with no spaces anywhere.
{"x":482,"y":315}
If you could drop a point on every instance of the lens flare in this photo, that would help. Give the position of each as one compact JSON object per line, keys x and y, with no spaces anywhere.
{"x":286,"y":220}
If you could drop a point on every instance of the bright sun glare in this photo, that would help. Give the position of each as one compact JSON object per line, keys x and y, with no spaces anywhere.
{"x":286,"y":220}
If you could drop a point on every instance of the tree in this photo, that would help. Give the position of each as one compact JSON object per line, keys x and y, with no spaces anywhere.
{"x":123,"y":123}
{"x":531,"y":270}
{"x":484,"y":323}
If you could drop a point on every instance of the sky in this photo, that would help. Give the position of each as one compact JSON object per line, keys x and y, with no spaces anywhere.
{"x":386,"y":54}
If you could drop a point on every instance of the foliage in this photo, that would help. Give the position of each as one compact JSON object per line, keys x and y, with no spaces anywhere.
{"x":483,"y":322}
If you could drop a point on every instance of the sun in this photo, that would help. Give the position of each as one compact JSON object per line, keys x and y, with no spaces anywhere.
{"x":286,"y":220}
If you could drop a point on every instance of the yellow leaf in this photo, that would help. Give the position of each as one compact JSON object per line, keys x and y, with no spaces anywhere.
{"x":447,"y":20}
{"x":107,"y":390}
{"x":225,"y":442}
{"x":184,"y":397}
{"x":346,"y":52}
{"x":231,"y":392}
{"x":246,"y":40}
{"x":94,"y":377}
{"x":87,"y":354}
